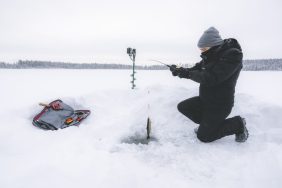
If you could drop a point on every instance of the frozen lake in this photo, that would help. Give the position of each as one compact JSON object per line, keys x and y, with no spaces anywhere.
{"x":94,"y":155}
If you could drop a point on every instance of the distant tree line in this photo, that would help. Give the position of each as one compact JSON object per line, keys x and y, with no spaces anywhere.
{"x":250,"y":65}
{"x":29,"y":64}
{"x":263,"y":64}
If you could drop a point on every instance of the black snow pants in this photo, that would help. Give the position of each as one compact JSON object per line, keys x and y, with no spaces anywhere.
{"x":212,"y":120}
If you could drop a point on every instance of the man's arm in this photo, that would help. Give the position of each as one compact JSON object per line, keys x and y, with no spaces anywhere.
{"x":222,"y":70}
{"x":197,"y":66}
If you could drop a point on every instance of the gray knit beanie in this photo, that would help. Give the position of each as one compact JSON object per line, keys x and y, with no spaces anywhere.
{"x":210,"y":38}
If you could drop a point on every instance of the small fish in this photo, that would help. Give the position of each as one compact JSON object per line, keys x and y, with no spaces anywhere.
{"x":148,"y":128}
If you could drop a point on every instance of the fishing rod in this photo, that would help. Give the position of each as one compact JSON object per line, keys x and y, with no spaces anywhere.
{"x":169,"y":66}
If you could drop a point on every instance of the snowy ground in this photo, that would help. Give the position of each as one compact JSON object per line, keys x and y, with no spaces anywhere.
{"x":95,"y":155}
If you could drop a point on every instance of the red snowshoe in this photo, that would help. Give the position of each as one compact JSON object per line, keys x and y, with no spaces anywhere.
{"x":59,"y":115}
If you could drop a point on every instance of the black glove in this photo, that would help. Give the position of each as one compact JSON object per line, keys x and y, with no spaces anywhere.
{"x":174,"y":70}
{"x":183,"y":73}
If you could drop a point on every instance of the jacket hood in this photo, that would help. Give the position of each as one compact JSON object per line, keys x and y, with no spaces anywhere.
{"x":228,"y":44}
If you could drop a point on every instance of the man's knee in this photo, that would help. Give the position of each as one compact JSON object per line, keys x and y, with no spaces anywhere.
{"x":180,"y":107}
{"x":205,"y":138}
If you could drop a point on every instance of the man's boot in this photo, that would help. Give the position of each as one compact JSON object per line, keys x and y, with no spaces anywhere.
{"x":244,"y":134}
{"x":196,"y":130}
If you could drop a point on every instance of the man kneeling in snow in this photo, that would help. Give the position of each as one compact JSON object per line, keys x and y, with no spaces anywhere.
{"x":217,"y":74}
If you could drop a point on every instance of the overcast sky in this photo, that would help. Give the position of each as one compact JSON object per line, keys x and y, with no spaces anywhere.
{"x":167,"y":30}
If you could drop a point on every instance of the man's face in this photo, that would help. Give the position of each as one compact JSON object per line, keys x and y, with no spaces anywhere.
{"x":204,"y":49}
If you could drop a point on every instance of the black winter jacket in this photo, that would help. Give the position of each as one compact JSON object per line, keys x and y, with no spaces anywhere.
{"x":217,"y":74}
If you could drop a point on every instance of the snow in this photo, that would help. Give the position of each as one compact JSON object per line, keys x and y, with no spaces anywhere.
{"x":98,"y":153}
